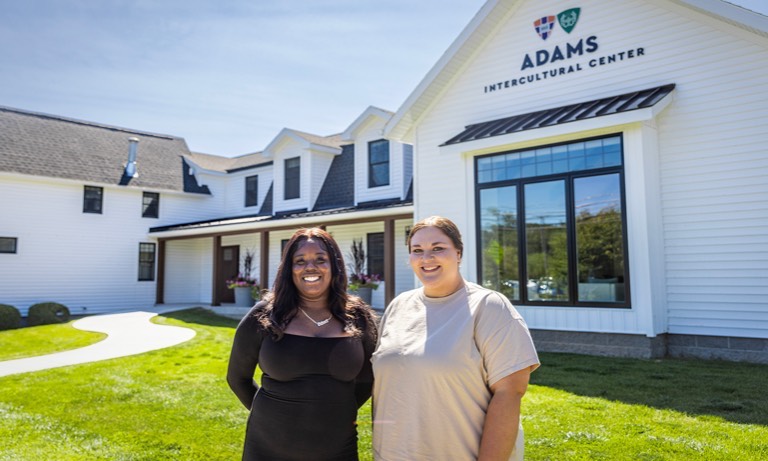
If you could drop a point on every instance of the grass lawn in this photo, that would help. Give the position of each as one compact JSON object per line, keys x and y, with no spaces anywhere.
{"x":44,"y":339}
{"x":174,"y":404}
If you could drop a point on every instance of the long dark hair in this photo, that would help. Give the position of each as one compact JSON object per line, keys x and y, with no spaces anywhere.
{"x":281,"y":304}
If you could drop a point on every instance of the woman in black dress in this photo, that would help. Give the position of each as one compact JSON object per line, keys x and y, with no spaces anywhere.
{"x":313,"y":343}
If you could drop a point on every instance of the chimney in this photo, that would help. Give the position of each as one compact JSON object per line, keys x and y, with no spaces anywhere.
{"x":130,"y":167}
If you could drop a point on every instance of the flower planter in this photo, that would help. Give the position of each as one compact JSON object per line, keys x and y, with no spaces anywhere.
{"x":243,"y":297}
{"x":364,"y":292}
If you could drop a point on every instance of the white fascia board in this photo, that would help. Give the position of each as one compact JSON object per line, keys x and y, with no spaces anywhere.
{"x":371,"y":111}
{"x":734,"y":14}
{"x":502,"y":142}
{"x":274,"y":146}
{"x":267,"y":223}
{"x":324,"y":149}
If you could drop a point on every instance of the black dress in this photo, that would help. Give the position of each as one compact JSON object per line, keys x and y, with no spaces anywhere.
{"x":311,"y":389}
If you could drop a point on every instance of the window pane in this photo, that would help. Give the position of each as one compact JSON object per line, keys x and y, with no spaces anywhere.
{"x":499,"y":242}
{"x":146,"y":261}
{"x":292,"y":177}
{"x":378,"y":163}
{"x":251,"y":191}
{"x":546,"y":241}
{"x":599,"y":238}
{"x":7,"y":244}
{"x":92,"y":199}
{"x":150,"y":205}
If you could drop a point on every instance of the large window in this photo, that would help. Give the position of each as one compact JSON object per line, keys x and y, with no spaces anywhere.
{"x":8,"y":244}
{"x":378,"y":163}
{"x":146,"y":261}
{"x":251,"y":191}
{"x":92,"y":199}
{"x":150,"y":206}
{"x":551,"y":224}
{"x":292,"y":177}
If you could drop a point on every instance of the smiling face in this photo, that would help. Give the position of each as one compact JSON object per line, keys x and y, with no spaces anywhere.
{"x":312,"y":272}
{"x":435,"y":261}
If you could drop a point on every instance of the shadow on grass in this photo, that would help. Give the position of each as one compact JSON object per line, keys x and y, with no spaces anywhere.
{"x":202,"y":316}
{"x":733,"y":391}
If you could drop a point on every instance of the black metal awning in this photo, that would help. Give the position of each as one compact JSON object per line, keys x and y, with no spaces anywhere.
{"x":571,"y":113}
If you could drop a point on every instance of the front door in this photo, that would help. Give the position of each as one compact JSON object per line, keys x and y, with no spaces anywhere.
{"x":229,"y":267}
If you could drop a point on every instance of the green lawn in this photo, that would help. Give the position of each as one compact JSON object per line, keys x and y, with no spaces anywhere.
{"x":174,"y":404}
{"x":44,"y":339}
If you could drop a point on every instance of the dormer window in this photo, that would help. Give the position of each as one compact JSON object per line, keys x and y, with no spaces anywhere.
{"x":292,"y":177}
{"x":378,"y":163}
{"x":252,"y":190}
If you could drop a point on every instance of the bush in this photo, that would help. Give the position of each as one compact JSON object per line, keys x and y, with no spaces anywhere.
{"x":10,"y":317}
{"x":47,"y":313}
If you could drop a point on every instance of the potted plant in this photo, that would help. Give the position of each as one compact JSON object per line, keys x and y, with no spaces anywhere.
{"x":246,"y":287}
{"x":361,"y":283}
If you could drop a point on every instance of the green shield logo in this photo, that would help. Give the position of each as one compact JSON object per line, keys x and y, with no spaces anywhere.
{"x":568,"y":19}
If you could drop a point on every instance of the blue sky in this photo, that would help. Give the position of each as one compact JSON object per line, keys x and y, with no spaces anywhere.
{"x":225,"y":75}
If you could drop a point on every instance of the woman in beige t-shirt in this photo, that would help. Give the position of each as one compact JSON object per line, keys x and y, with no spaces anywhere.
{"x":452,"y":362}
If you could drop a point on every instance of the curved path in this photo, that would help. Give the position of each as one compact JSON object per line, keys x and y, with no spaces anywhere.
{"x":128,"y":333}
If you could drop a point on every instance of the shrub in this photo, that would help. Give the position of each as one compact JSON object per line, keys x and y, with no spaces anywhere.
{"x":47,"y":313}
{"x":10,"y":317}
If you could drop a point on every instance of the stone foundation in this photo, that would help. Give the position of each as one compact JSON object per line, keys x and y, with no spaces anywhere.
{"x":753,"y":350}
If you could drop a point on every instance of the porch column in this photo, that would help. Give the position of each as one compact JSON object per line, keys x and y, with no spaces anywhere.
{"x":215,"y":299}
{"x":389,"y":261}
{"x":264,"y":260}
{"x":160,"y":284}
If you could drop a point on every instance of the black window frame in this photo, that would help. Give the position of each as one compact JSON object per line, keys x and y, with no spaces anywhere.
{"x":373,"y":165}
{"x":14,"y":244}
{"x":569,"y":178}
{"x":145,"y":263}
{"x":292,"y":175}
{"x":93,"y":199}
{"x":375,"y":254}
{"x":252,"y":190}
{"x":150,"y":204}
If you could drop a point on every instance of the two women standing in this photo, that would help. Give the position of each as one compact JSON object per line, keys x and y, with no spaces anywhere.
{"x":451,"y":365}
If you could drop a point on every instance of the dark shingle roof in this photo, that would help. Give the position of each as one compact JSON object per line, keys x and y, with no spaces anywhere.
{"x":339,"y":187}
{"x":574,"y":112}
{"x":57,"y":147}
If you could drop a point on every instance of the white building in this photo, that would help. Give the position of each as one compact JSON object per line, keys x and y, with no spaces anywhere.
{"x":607,"y":164}
{"x":81,"y":228}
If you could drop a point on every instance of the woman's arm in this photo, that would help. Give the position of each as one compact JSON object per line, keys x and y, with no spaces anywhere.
{"x":503,"y":417}
{"x":243,"y":360}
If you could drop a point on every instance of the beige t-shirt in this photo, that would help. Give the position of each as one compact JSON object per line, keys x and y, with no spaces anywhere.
{"x":433,"y":366}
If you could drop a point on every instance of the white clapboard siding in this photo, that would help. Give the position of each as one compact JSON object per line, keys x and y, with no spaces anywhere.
{"x":711,"y":166}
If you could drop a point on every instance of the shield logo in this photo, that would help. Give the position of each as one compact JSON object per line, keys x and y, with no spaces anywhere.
{"x":544,"y":26}
{"x":568,"y":19}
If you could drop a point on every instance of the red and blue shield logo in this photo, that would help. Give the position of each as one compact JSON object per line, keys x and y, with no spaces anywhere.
{"x":544,"y":26}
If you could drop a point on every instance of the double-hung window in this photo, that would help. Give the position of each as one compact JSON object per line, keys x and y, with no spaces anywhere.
{"x":292,"y":178}
{"x":378,"y":163}
{"x":146,"y":262}
{"x":150,"y":206}
{"x":92,"y":199}
{"x":251,"y":191}
{"x":552,"y":226}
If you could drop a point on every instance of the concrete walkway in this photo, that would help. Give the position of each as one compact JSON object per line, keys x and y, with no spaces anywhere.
{"x":128,"y":333}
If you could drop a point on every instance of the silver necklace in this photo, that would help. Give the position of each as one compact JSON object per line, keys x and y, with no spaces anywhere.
{"x":320,"y":323}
